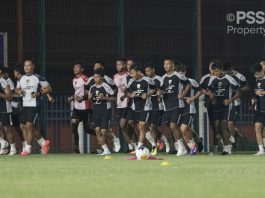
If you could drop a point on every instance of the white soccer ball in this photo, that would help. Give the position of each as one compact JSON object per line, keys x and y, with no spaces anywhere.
{"x":142,"y":153}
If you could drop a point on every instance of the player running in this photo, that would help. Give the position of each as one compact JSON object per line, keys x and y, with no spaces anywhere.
{"x":172,"y":93}
{"x":189,"y":110}
{"x":81,"y":106}
{"x":157,"y":110}
{"x":27,"y":87}
{"x":223,"y":92}
{"x":101,"y":95}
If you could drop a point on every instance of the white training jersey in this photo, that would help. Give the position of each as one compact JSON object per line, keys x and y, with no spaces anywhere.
{"x":121,"y":83}
{"x":5,"y":106}
{"x":30,"y":83}
{"x":11,"y":84}
{"x":80,"y":85}
{"x":12,"y":88}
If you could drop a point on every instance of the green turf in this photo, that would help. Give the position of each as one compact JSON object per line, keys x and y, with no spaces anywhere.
{"x":91,"y":176}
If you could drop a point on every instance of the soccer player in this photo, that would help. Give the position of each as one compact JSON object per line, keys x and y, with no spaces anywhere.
{"x":27,"y":86}
{"x":221,"y":88}
{"x":82,"y":107}
{"x":5,"y":117}
{"x":16,"y":107}
{"x":157,"y":109}
{"x":242,"y":82}
{"x":132,"y":128}
{"x":120,"y":80}
{"x":189,"y":110}
{"x":139,"y":91}
{"x":172,"y":93}
{"x":16,"y":104}
{"x":208,"y":105}
{"x":259,"y":118}
{"x":101,"y":95}
{"x":110,"y":82}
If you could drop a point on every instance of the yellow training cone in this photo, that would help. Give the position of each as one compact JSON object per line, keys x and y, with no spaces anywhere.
{"x":108,"y":157}
{"x":165,"y":163}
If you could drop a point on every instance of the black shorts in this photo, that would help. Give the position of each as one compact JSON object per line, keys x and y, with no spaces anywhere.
{"x":142,"y":116}
{"x":187,"y":119}
{"x":101,"y":118}
{"x":233,"y":113}
{"x":259,"y":117}
{"x":130,"y":114}
{"x":121,"y":113}
{"x":5,"y":119}
{"x":220,"y":115}
{"x":156,"y":117}
{"x":29,"y":114}
{"x":15,"y":119}
{"x":174,"y":115}
{"x":82,"y":115}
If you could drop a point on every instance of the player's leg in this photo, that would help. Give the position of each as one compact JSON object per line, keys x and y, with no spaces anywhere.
{"x":4,"y":144}
{"x":74,"y":126}
{"x":103,"y":124}
{"x":123,"y":122}
{"x":227,"y":149}
{"x":174,"y":126}
{"x":110,"y":133}
{"x":187,"y":133}
{"x":151,"y":134}
{"x":16,"y":125}
{"x":263,"y":134}
{"x":44,"y":144}
{"x":29,"y":115}
{"x":259,"y":122}
{"x":10,"y":133}
{"x":132,"y":127}
{"x":142,"y":118}
{"x":231,"y":124}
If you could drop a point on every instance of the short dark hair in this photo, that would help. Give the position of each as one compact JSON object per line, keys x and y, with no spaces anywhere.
{"x":181,"y":68}
{"x":217,"y":65}
{"x":214,"y":61}
{"x":133,"y":59}
{"x":30,"y":59}
{"x":100,"y":72}
{"x":227,"y":66}
{"x":256,"y":68}
{"x":99,"y":62}
{"x":136,"y":67}
{"x":150,"y":65}
{"x":79,"y":62}
{"x":19,"y":68}
{"x":121,"y":59}
{"x":169,"y":58}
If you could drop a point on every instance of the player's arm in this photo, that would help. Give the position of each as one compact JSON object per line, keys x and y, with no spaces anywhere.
{"x":195,"y":97}
{"x":7,"y":95}
{"x":231,"y":100}
{"x":110,"y":97}
{"x":185,"y":91}
{"x":236,"y":88}
{"x":18,"y":89}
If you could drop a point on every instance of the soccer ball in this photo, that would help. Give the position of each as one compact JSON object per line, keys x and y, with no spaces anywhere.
{"x":142,"y":153}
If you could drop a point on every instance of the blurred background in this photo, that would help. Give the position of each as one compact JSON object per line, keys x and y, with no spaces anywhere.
{"x":56,"y":33}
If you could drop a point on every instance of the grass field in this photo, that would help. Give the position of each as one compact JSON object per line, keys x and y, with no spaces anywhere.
{"x":90,"y":176}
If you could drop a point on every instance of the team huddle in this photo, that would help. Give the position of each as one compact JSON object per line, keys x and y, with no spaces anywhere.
{"x":142,"y":100}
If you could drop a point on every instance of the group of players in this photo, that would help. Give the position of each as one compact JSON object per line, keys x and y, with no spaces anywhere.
{"x":19,"y":107}
{"x":140,"y":98}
